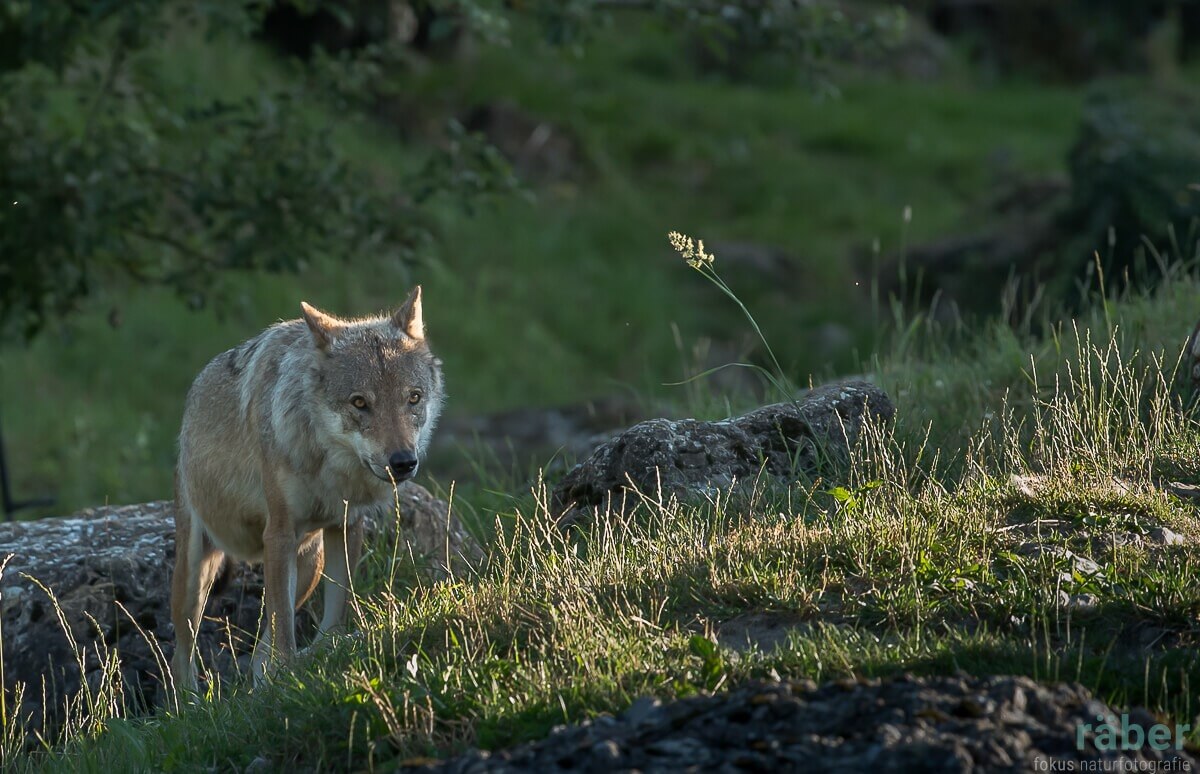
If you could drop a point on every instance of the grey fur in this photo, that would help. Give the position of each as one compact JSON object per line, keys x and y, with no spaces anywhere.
{"x":286,"y":440}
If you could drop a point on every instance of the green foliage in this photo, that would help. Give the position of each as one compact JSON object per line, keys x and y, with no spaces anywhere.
{"x":52,"y":34}
{"x":762,"y":37}
{"x":1134,"y":171}
{"x":516,"y":289}
{"x":1066,"y":39}
{"x":743,"y":40}
{"x":851,"y":502}
{"x":712,"y":671}
{"x":113,"y":170}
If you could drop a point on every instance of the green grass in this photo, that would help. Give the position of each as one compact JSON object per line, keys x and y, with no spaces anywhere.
{"x":930,"y":559}
{"x":573,"y":293}
{"x":938,"y":561}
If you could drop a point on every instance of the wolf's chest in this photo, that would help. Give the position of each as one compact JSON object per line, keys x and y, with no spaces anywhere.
{"x":335,"y":497}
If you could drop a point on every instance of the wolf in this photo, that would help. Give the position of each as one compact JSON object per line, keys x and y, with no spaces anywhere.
{"x":287,"y":440}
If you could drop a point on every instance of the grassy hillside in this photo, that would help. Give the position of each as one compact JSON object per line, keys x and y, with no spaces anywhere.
{"x":570,"y":292}
{"x":1016,"y":518}
{"x":973,"y":554}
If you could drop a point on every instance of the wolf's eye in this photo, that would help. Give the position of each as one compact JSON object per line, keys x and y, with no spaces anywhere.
{"x":414,"y":397}
{"x":359,"y":402}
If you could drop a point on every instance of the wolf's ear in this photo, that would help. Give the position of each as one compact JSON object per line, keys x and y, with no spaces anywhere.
{"x":324,"y":327}
{"x":408,"y":317}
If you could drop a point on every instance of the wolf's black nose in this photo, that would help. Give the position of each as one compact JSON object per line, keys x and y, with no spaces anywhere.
{"x":403,"y":463}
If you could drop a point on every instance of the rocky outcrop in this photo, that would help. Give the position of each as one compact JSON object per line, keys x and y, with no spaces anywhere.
{"x":689,"y":457}
{"x":81,"y":590}
{"x":956,"y":724}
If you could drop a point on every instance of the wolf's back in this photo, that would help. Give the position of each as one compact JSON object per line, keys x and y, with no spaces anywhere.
{"x":226,"y":418}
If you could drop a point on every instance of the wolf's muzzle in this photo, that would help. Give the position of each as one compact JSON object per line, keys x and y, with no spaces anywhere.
{"x":403,"y":465}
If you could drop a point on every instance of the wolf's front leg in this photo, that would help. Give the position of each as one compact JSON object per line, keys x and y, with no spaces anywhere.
{"x":197,"y":562}
{"x":277,"y":643}
{"x":343,"y":547}
{"x":278,"y":639}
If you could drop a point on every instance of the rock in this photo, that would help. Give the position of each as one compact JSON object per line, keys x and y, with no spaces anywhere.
{"x":640,"y":710}
{"x":688,"y":457}
{"x":1166,"y":537}
{"x":763,"y":631}
{"x":901,"y":724}
{"x":1083,"y":603}
{"x":1178,"y":488}
{"x":606,"y":751}
{"x":1029,"y":485}
{"x":1073,"y":562}
{"x":436,"y":537}
{"x":104,"y":575}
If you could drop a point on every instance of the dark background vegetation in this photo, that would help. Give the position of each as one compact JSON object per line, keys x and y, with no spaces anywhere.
{"x":176,"y":176}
